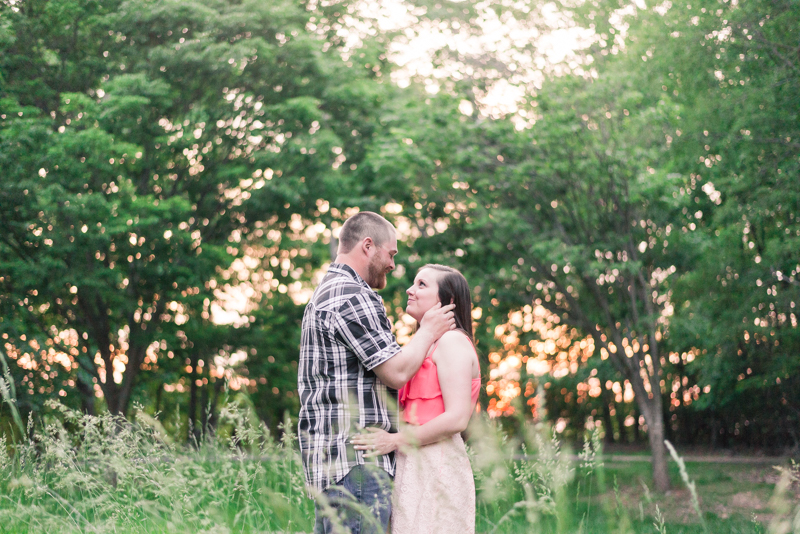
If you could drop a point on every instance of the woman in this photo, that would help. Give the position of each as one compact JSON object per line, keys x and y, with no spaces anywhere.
{"x":434,"y":488}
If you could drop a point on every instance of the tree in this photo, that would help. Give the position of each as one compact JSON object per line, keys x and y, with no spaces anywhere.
{"x":735,"y":73}
{"x":152,"y":144}
{"x":583,"y":222}
{"x":573,"y":215}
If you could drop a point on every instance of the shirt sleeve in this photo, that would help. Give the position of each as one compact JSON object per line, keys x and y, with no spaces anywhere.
{"x":365,"y":329}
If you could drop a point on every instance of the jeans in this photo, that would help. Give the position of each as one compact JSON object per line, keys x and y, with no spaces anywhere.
{"x":360,"y":503}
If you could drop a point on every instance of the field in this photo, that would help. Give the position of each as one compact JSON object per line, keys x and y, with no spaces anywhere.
{"x":100,"y":474}
{"x":733,"y":498}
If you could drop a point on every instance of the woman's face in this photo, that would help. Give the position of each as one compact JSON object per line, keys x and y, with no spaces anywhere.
{"x":424,"y":294}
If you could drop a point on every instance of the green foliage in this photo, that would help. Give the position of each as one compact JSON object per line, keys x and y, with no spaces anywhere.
{"x":738,"y":301}
{"x":78,"y":473}
{"x":159,"y":156}
{"x":158,"y":143}
{"x":9,"y":396}
{"x":102,"y":474}
{"x":650,"y":202}
{"x":565,"y":215}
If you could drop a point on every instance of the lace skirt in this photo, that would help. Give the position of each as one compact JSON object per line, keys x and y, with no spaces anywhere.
{"x":434,"y":491}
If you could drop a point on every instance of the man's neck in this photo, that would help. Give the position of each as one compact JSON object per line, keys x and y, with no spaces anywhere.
{"x":359,"y":267}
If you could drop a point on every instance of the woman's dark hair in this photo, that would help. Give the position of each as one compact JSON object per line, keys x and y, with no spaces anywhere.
{"x":453,"y":289}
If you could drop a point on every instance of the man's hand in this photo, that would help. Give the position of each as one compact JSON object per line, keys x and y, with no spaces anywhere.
{"x":399,"y":369}
{"x":376,"y":442}
{"x":438,"y":320}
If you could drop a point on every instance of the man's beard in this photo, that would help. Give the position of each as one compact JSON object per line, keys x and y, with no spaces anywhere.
{"x":376,"y":274}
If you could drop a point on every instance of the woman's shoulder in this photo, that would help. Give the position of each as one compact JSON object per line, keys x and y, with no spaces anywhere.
{"x":455,"y":336}
{"x":456,"y":350}
{"x":455,"y":340}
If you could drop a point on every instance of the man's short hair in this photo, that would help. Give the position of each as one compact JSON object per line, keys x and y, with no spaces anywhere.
{"x":362,"y":225}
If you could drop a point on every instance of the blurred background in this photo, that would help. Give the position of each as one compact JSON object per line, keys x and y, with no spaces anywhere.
{"x":617,"y":180}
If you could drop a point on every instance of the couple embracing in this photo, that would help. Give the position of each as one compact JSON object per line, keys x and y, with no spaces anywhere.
{"x":361,"y":464}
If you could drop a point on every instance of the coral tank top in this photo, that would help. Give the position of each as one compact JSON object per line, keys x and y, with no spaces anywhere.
{"x":421,"y":398}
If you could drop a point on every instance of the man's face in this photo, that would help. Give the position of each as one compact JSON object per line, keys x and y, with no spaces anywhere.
{"x":381,"y":263}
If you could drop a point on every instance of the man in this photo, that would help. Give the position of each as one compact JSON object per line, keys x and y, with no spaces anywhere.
{"x":350,"y":368}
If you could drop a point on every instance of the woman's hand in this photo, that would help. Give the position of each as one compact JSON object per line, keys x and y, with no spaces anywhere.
{"x":376,"y":442}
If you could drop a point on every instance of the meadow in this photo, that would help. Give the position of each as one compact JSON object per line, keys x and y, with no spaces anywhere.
{"x":174,"y":176}
{"x":75,"y":473}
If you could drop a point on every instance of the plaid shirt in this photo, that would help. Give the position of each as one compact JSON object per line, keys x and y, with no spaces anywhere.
{"x":346,"y":334}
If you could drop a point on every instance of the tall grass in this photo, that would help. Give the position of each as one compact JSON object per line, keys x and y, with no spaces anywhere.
{"x":544,"y":490}
{"x":784,"y":502}
{"x":690,"y":485}
{"x":75,"y":473}
{"x":79,"y":473}
{"x":9,"y":394}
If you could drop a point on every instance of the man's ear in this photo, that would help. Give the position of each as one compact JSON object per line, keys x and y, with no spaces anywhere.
{"x":366,"y":245}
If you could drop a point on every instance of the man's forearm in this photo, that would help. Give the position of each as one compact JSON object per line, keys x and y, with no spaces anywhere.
{"x":413,"y":354}
{"x":399,"y":369}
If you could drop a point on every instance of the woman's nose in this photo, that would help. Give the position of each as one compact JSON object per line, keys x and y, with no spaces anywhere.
{"x":409,"y":291}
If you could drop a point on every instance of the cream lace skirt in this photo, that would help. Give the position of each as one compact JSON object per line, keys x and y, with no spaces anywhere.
{"x":434,"y":491}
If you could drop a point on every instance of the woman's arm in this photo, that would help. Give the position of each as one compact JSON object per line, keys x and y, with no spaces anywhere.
{"x":453,"y":360}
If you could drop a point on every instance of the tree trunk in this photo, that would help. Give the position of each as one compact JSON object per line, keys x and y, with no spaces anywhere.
{"x":655,"y":436}
{"x":651,"y":406}
{"x":205,"y":399}
{"x":607,"y":399}
{"x":669,"y":432}
{"x":136,"y":353}
{"x":334,"y":248}
{"x":86,"y":391}
{"x":687,"y":430}
{"x":623,"y":434}
{"x":111,"y":393}
{"x":194,"y":431}
{"x":651,"y":409}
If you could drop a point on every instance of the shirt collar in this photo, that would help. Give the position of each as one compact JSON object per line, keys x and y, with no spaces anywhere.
{"x":345,"y":269}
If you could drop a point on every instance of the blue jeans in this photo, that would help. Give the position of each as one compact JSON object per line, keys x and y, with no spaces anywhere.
{"x":361,"y":503}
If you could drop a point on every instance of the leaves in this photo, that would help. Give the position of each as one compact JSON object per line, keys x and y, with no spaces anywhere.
{"x":194,"y":131}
